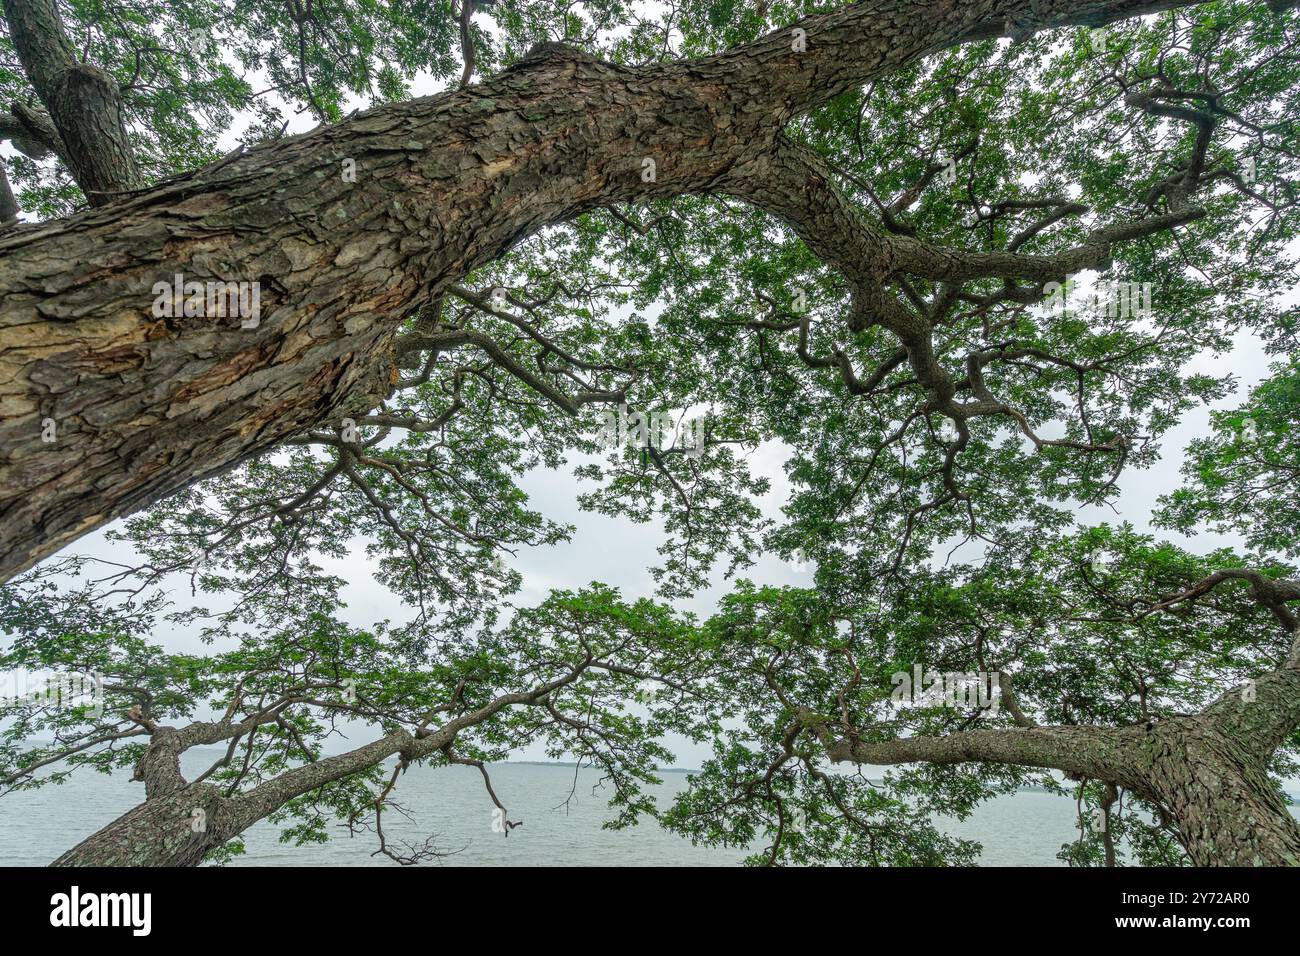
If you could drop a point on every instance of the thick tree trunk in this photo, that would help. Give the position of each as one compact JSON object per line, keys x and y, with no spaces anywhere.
{"x":84,"y":102}
{"x":176,"y":830}
{"x":1220,"y":799}
{"x":106,"y":406}
{"x":183,"y":823}
{"x":1207,"y":772}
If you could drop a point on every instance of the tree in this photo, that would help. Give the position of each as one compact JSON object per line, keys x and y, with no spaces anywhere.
{"x":1090,"y":652}
{"x":477,"y":704}
{"x":958,"y":278}
{"x":447,"y":185}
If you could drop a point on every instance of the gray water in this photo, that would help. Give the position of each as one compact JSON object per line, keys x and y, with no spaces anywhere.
{"x":1024,"y":829}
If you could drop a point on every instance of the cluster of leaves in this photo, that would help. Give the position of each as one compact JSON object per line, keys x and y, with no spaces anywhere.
{"x":1243,"y":477}
{"x":1075,"y":634}
{"x":343,"y":681}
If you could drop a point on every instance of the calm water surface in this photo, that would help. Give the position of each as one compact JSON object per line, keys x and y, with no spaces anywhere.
{"x":1026,"y":829}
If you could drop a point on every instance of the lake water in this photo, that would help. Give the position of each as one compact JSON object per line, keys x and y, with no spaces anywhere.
{"x":1025,"y":829}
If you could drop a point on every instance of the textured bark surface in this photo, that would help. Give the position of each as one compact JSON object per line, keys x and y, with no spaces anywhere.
{"x":1220,"y":798}
{"x":141,"y":406}
{"x":176,"y":830}
{"x":8,"y":207}
{"x":83,"y":101}
{"x":1207,"y":771}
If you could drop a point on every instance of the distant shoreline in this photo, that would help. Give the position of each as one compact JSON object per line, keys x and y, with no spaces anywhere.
{"x":1290,"y":798}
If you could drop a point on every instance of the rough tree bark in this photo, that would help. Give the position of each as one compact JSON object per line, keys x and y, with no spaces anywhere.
{"x":138,"y":406}
{"x":1207,"y":771}
{"x":83,"y":101}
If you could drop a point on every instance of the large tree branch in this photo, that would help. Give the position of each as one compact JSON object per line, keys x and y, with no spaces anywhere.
{"x":8,"y":205}
{"x":145,"y":403}
{"x":165,"y":830}
{"x":1101,"y":753}
{"x":1261,"y":715}
{"x":31,"y":132}
{"x":83,"y":101}
{"x":860,"y":42}
{"x":456,"y":338}
{"x":247,"y":808}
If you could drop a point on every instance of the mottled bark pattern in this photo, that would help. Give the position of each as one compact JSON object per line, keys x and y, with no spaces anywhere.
{"x":1227,"y":811}
{"x":176,"y":830}
{"x":83,"y":101}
